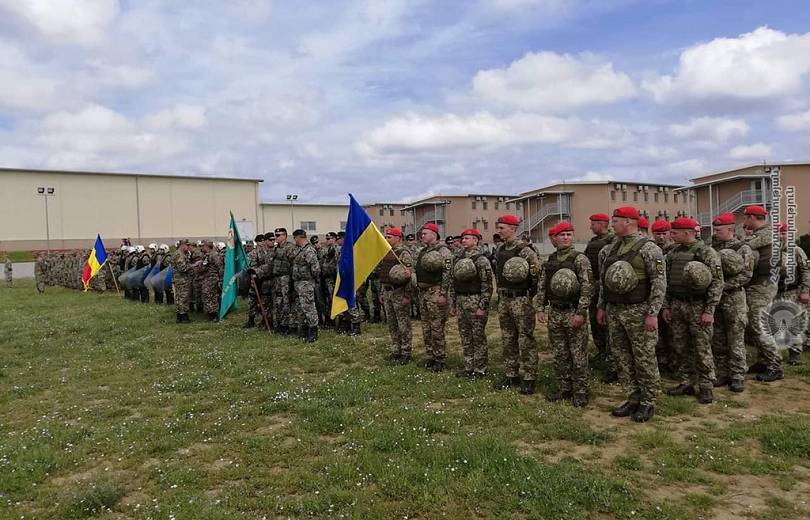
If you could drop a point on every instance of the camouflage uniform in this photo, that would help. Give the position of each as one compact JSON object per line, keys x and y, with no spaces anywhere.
{"x":261,"y":262}
{"x":569,"y":345}
{"x":432,"y":286}
{"x":398,"y":316}
{"x":196,"y":284}
{"x":791,"y":292}
{"x":731,"y":317}
{"x":182,"y":280}
{"x":329,"y":258}
{"x":40,"y":275}
{"x":8,"y":271}
{"x":306,"y":270}
{"x":468,"y":297}
{"x":516,"y":313}
{"x":692,"y":340}
{"x":599,"y":332}
{"x":210,"y":275}
{"x":632,"y":344}
{"x":664,"y":351}
{"x":759,"y":293}
{"x":281,"y":285}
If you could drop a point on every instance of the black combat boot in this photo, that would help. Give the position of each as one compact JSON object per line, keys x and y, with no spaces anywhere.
{"x":507,"y":382}
{"x":736,"y":385}
{"x":250,"y":323}
{"x":559,"y":395}
{"x":465,"y":374}
{"x":794,"y":357}
{"x":757,"y":368}
{"x":179,"y":318}
{"x":705,"y":396}
{"x":770,"y":375}
{"x":186,"y":319}
{"x":354,"y":329}
{"x":580,"y":399}
{"x":610,"y":377}
{"x":438,"y":366}
{"x":721,"y":381}
{"x":682,"y":389}
{"x":312,"y":334}
{"x":394,"y":356}
{"x":302,"y":332}
{"x":527,"y":387}
{"x":625,"y":409}
{"x":643,"y":413}
{"x":169,"y":298}
{"x":213,"y":316}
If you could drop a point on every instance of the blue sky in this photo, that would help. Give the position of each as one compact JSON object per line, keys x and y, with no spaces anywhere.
{"x":395,"y":99}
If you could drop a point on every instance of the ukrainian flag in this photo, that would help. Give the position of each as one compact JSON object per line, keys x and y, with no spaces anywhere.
{"x":363,"y":248}
{"x":98,"y":256}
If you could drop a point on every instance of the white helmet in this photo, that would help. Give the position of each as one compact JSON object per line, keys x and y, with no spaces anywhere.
{"x":130,"y":249}
{"x":139,"y":249}
{"x":124,"y":247}
{"x":199,"y":243}
{"x":220,"y":246}
{"x":164,"y":248}
{"x":152,"y":246}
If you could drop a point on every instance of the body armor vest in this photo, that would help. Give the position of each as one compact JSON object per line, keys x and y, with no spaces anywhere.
{"x":388,"y":261}
{"x":423,"y":276}
{"x":281,"y":261}
{"x":762,"y":271}
{"x":554,"y":264}
{"x":472,"y":286}
{"x":301,"y":269}
{"x":633,"y":256}
{"x":676,"y":282}
{"x":502,"y":256}
{"x":595,"y":245}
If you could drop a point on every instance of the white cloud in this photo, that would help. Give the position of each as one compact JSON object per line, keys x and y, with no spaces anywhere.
{"x":119,"y":75}
{"x":752,"y":151}
{"x":761,"y":64}
{"x":77,"y":21}
{"x":92,"y":118}
{"x":414,"y":132}
{"x":594,"y":176}
{"x":190,"y":117}
{"x":550,"y":82}
{"x":710,"y":128}
{"x":22,"y":85}
{"x":799,"y":121}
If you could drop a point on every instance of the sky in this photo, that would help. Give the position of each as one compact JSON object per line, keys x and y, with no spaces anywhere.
{"x":395,"y":100}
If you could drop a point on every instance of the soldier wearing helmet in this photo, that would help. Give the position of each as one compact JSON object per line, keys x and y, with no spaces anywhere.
{"x":433,"y":277}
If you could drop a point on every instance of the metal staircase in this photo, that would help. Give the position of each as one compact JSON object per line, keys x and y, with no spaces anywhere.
{"x":733,"y":203}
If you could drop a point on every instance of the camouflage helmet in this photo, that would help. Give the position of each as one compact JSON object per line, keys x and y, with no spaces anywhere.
{"x":516,"y":269}
{"x":697,"y":275}
{"x":399,"y":274}
{"x":464,"y":270}
{"x":432,"y":261}
{"x":732,"y":261}
{"x":620,"y":277}
{"x":565,"y":283}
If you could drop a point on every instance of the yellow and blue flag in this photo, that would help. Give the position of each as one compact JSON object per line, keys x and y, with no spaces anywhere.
{"x":363,"y":248}
{"x":96,"y":260}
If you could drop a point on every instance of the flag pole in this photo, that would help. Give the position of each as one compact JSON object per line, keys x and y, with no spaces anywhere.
{"x":113,"y":277}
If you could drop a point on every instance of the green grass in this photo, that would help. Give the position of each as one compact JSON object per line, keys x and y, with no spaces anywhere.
{"x":110,"y":409}
{"x":20,"y":256}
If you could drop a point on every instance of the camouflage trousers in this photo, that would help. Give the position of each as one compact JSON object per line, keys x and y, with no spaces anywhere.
{"x":517,"y":320}
{"x":759,"y":296}
{"x":306,"y":313}
{"x":434,"y":318}
{"x":328,"y":289}
{"x":570,"y":348}
{"x":634,"y":351}
{"x":281,"y":300}
{"x":362,"y":299}
{"x":599,"y":332}
{"x":182,"y":295}
{"x":693,"y":344}
{"x":728,"y":339}
{"x":196,"y":293}
{"x":9,"y":281}
{"x":798,"y":343}
{"x":472,"y":331}
{"x":210,"y":295}
{"x":664,"y":349}
{"x":398,"y":319}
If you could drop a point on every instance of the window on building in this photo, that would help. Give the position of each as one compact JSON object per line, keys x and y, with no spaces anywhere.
{"x":655,"y":197}
{"x":674,"y":198}
{"x":612,"y":195}
{"x":497,"y":205}
{"x":666,"y":197}
{"x":392,"y":213}
{"x":624,"y":196}
{"x":486,"y":225}
{"x":485,"y":205}
{"x":473,"y":205}
{"x":475,"y":225}
{"x":308,"y":225}
{"x":635,"y":196}
{"x":518,"y":206}
{"x":508,"y":204}
{"x":382,"y":211}
{"x":646,"y":197}
{"x":342,"y":225}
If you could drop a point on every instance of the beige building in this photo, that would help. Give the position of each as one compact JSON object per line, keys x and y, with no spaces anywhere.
{"x":575,"y":202}
{"x":730,"y":191}
{"x":66,"y":209}
{"x":390,"y":214}
{"x":454,"y":213}
{"x":315,"y":219}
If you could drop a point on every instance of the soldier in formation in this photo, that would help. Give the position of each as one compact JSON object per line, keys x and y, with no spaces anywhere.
{"x":398,"y":286}
{"x":9,"y":270}
{"x":433,"y":277}
{"x":602,"y":236}
{"x":183,"y":273}
{"x":209,"y":272}
{"x":305,"y":272}
{"x":664,"y":350}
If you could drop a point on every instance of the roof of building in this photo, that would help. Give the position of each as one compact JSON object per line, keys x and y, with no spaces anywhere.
{"x":591,"y":183}
{"x":296,"y":203}
{"x":748,"y":166}
{"x":165,"y":175}
{"x":430,"y":200}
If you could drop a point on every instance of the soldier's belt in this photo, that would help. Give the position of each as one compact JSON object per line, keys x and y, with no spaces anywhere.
{"x":509,"y":293}
{"x":564,"y":306}
{"x":390,"y":287}
{"x":688,"y":299}
{"x":732,"y":291}
{"x":468,"y":293}
{"x":428,"y":285}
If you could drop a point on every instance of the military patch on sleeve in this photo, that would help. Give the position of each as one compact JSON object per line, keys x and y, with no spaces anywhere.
{"x":533,"y":269}
{"x":659,"y":266}
{"x":448,"y":263}
{"x":719,"y":269}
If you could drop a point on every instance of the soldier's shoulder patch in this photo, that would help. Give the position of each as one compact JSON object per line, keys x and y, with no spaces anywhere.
{"x":659,"y":266}
{"x":534,"y":268}
{"x":448,"y":263}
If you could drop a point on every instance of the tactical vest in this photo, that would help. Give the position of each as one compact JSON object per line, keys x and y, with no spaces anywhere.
{"x":143,"y":260}
{"x":503,"y":255}
{"x":676,"y":280}
{"x":595,"y":245}
{"x":329,"y":264}
{"x":633,"y":256}
{"x":554,"y":264}
{"x":797,"y":274}
{"x":388,"y":261}
{"x":301,"y":269}
{"x":281,"y":261}
{"x":762,"y":271}
{"x":472,"y":286}
{"x":423,"y":276}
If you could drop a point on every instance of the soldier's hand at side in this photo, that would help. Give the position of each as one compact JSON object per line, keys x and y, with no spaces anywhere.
{"x":405,"y":301}
{"x":541,"y":316}
{"x":651,"y":322}
{"x":666,"y":314}
{"x":441,"y":301}
{"x":452,"y":311}
{"x":601,"y":317}
{"x":707,"y":319}
{"x":480,"y":313}
{"x":576,"y":321}
{"x":804,"y":298}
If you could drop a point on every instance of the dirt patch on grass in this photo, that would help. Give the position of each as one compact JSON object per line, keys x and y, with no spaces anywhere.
{"x":274,"y":423}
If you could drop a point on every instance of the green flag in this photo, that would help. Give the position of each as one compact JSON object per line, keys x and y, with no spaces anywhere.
{"x":235,"y":262}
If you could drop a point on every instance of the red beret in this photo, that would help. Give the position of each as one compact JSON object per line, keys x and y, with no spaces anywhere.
{"x":559,"y":228}
{"x":661,"y":225}
{"x":685,"y":223}
{"x":724,"y":219}
{"x":782,"y":227}
{"x":756,"y":210}
{"x":395,"y":231}
{"x":430,"y":226}
{"x":471,"y":231}
{"x":626,"y":212}
{"x":509,"y":219}
{"x":643,"y":223}
{"x":600,"y":217}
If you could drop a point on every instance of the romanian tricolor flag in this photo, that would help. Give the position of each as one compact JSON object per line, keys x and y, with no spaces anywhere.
{"x":98,"y":256}
{"x":363,"y":248}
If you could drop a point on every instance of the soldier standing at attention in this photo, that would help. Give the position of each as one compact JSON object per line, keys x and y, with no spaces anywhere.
{"x":633,"y":283}
{"x":470,"y":294}
{"x":329,"y":266}
{"x":397,"y":283}
{"x":182,"y":279}
{"x":694,"y":288}
{"x":601,"y":237}
{"x":433,"y":277}
{"x":563,"y":297}
{"x":281,"y":268}
{"x":196,"y":284}
{"x":253,"y":258}
{"x":664,"y":350}
{"x":759,"y":293}
{"x":306,"y":270}
{"x":797,"y":291}
{"x":210,"y":273}
{"x":731,"y":316}
{"x":9,"y":271}
{"x":517,"y":268}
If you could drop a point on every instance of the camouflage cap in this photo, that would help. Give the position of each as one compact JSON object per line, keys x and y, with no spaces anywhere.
{"x":432,"y":261}
{"x":399,"y":274}
{"x":565,"y":283}
{"x":516,"y":269}
{"x":620,"y":277}
{"x":464,"y":269}
{"x":697,"y":275}
{"x":732,"y":261}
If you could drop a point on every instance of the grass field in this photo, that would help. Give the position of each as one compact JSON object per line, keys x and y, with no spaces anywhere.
{"x":110,"y":409}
